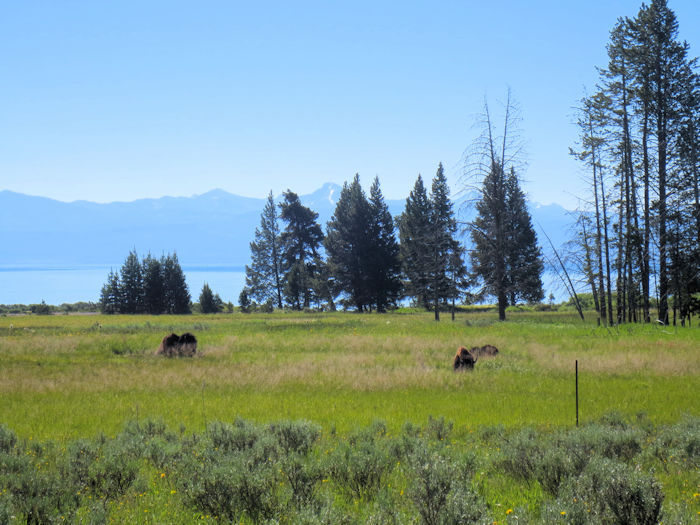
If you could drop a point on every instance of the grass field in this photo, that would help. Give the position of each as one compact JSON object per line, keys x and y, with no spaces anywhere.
{"x":63,"y":378}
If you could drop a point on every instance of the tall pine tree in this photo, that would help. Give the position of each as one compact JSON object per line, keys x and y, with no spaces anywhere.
{"x":347,"y":243}
{"x":523,"y":263}
{"x":153,"y":285}
{"x":300,"y":242}
{"x":447,"y":269}
{"x":505,"y":256}
{"x":177,"y":294}
{"x":431,"y":256}
{"x":131,"y":282}
{"x":264,"y":275}
{"x":362,"y":250}
{"x":414,"y":236}
{"x":385,"y":267}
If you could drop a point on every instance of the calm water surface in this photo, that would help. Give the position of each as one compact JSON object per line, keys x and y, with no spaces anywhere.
{"x":70,"y":285}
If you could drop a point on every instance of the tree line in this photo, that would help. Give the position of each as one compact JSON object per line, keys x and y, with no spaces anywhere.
{"x":639,"y":230}
{"x":366,"y":260}
{"x":359,"y":263}
{"x":146,"y":286}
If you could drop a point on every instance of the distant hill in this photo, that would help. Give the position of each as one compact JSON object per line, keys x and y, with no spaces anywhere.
{"x":211,"y":229}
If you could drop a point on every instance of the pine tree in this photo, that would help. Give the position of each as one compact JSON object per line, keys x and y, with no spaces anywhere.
{"x":150,"y":286}
{"x":131,"y":285}
{"x":414,"y":236}
{"x":524,"y":257}
{"x":657,"y":32}
{"x":244,"y":300}
{"x":300,"y":242}
{"x":176,"y":291}
{"x":153,"y":286}
{"x":110,"y":295}
{"x":362,"y":250}
{"x":209,"y":302}
{"x":264,"y":275}
{"x":593,"y":122}
{"x":644,"y":121}
{"x":488,"y":235}
{"x":347,"y":245}
{"x":505,"y":256}
{"x":446,"y":268}
{"x":384,"y":273}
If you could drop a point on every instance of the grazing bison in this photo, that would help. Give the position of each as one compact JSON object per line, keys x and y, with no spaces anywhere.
{"x":488,"y":350}
{"x":173,"y":345}
{"x":484,"y":351}
{"x":188,"y":345}
{"x":464,"y":360}
{"x":168,"y":346}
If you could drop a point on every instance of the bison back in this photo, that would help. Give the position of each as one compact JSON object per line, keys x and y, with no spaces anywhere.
{"x":169,"y":345}
{"x":188,"y":345}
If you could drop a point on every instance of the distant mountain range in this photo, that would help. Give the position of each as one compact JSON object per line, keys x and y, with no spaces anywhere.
{"x":208,"y":230}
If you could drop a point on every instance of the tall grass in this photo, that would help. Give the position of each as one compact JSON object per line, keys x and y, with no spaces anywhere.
{"x":71,"y":376}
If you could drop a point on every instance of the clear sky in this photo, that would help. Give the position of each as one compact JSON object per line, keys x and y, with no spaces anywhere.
{"x":109,"y":101}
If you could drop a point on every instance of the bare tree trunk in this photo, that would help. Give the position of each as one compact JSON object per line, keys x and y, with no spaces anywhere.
{"x":589,"y":266}
{"x":621,"y":263}
{"x":661,"y":135}
{"x":647,"y":220}
{"x":607,"y":252}
{"x":602,"y":314}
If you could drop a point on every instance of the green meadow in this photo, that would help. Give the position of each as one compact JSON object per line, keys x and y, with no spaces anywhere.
{"x":67,"y":378}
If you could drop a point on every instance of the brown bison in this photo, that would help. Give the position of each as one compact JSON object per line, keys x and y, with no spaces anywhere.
{"x":464,"y":360}
{"x":188,"y":345}
{"x":484,"y":351}
{"x":173,"y":345}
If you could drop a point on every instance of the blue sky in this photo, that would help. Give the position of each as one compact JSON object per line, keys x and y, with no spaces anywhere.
{"x":122,"y":100}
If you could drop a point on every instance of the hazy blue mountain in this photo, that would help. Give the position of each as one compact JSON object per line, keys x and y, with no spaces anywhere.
{"x":211,"y":229}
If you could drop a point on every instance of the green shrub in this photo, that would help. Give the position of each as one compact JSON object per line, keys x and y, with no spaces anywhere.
{"x":441,"y":492}
{"x":551,"y":459}
{"x":303,"y":476}
{"x":113,"y":473}
{"x":8,"y":439}
{"x":80,"y":456}
{"x":242,"y":435}
{"x":325,"y":513}
{"x":405,"y":444}
{"x":608,"y":491}
{"x":553,"y":468}
{"x":359,"y":464}
{"x":6,"y":508}
{"x":31,"y":487}
{"x":492,"y":434}
{"x":521,"y":453}
{"x":612,"y":442}
{"x":151,"y":440}
{"x":230,"y":485}
{"x":296,"y":436}
{"x":679,"y":443}
{"x":437,"y":428}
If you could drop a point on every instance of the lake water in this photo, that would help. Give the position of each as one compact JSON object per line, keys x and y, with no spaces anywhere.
{"x":70,"y":285}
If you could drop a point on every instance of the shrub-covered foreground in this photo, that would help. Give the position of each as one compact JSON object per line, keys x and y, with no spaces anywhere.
{"x":610,"y":471}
